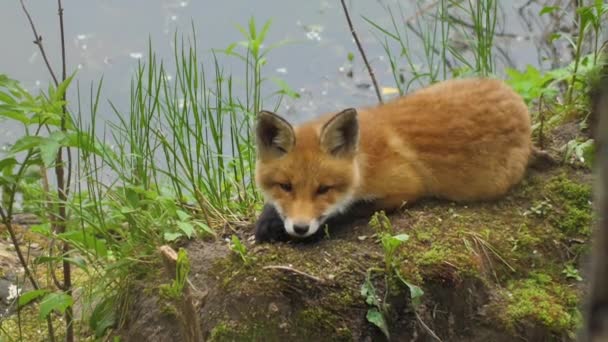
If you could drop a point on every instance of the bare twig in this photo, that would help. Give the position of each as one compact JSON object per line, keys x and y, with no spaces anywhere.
{"x":541,"y":133}
{"x":60,"y":224}
{"x":62,"y":191}
{"x":298,"y":272}
{"x":356,"y":38}
{"x":426,"y":327}
{"x":38,"y":42}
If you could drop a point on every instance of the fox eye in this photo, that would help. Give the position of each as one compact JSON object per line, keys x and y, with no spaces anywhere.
{"x":323,"y":189}
{"x":285,"y":187}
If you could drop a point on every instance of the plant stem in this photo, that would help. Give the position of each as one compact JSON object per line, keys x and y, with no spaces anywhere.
{"x":62,"y":191}
{"x":577,"y":56}
{"x":60,"y":225}
{"x":369,"y":69}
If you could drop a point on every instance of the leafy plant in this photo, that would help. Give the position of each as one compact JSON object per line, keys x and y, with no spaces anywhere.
{"x":580,"y":151}
{"x":182,"y":269}
{"x":379,"y":307}
{"x":239,"y":249}
{"x":570,"y":272}
{"x":375,"y":314}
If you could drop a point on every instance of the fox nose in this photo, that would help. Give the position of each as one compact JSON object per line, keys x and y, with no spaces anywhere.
{"x":300,"y":229}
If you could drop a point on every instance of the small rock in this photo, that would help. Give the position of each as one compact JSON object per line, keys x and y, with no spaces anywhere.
{"x":272,"y":307}
{"x":362,"y":237}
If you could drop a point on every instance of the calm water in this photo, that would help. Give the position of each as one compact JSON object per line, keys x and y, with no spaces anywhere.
{"x":107,"y":37}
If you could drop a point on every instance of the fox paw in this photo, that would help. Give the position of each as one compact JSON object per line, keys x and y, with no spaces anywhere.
{"x":270,"y":226}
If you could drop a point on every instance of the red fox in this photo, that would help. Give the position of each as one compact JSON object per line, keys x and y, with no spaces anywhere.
{"x":461,"y":140}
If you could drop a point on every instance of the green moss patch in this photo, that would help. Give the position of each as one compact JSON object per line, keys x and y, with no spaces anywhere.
{"x":539,"y":300}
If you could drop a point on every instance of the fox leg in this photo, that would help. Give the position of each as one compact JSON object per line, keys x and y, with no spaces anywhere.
{"x":270,"y":226}
{"x":391,"y":203}
{"x":365,"y":209}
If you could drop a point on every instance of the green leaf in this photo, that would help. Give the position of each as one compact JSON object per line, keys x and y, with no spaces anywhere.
{"x":86,"y":240}
{"x":7,"y":163}
{"x":264,"y":31}
{"x":169,"y":237}
{"x":79,"y":262}
{"x":182,"y":215}
{"x":548,"y":10}
{"x":45,"y":259}
{"x":204,"y":227}
{"x":368,"y":291}
{"x":57,"y":301}
{"x":27,"y":142}
{"x":62,"y":88}
{"x":401,"y":237}
{"x":187,"y":228}
{"x":30,"y":296}
{"x":585,"y":152}
{"x":48,"y":152}
{"x":6,"y":98}
{"x":14,"y":115}
{"x":416,"y":292}
{"x":103,"y":317}
{"x":377,"y":318}
{"x":42,"y":229}
{"x":284,"y":88}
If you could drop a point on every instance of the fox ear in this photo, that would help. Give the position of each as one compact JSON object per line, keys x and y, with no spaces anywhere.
{"x":340,"y":135}
{"x":274,"y":135}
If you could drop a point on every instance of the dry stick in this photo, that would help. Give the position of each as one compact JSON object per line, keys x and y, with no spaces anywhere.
{"x":426,"y":327}
{"x":190,"y":323}
{"x":369,"y":68}
{"x":298,"y":272}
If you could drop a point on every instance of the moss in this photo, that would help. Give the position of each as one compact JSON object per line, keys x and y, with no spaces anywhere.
{"x":246,"y":330}
{"x":574,"y":215}
{"x":436,"y":255}
{"x":575,"y":221}
{"x":576,"y":194}
{"x":318,"y":319}
{"x":540,"y":300}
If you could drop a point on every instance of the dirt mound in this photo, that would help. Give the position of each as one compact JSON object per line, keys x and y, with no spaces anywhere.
{"x":495,"y":271}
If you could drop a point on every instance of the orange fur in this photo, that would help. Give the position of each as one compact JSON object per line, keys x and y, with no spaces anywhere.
{"x":462,"y":140}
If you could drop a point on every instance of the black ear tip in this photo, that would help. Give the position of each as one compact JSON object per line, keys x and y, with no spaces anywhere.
{"x":350,"y":113}
{"x":264,"y":115}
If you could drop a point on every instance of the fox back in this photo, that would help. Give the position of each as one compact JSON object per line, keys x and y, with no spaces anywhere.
{"x":463,"y":140}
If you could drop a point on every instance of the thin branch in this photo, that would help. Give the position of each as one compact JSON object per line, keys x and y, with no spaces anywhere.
{"x":62,"y":191}
{"x":11,"y":232}
{"x":426,"y":327}
{"x":298,"y":272}
{"x":38,"y":42}
{"x":369,"y":68}
{"x":541,"y":128}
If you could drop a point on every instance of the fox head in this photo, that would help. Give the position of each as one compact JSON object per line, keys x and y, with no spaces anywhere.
{"x":308,"y":172}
